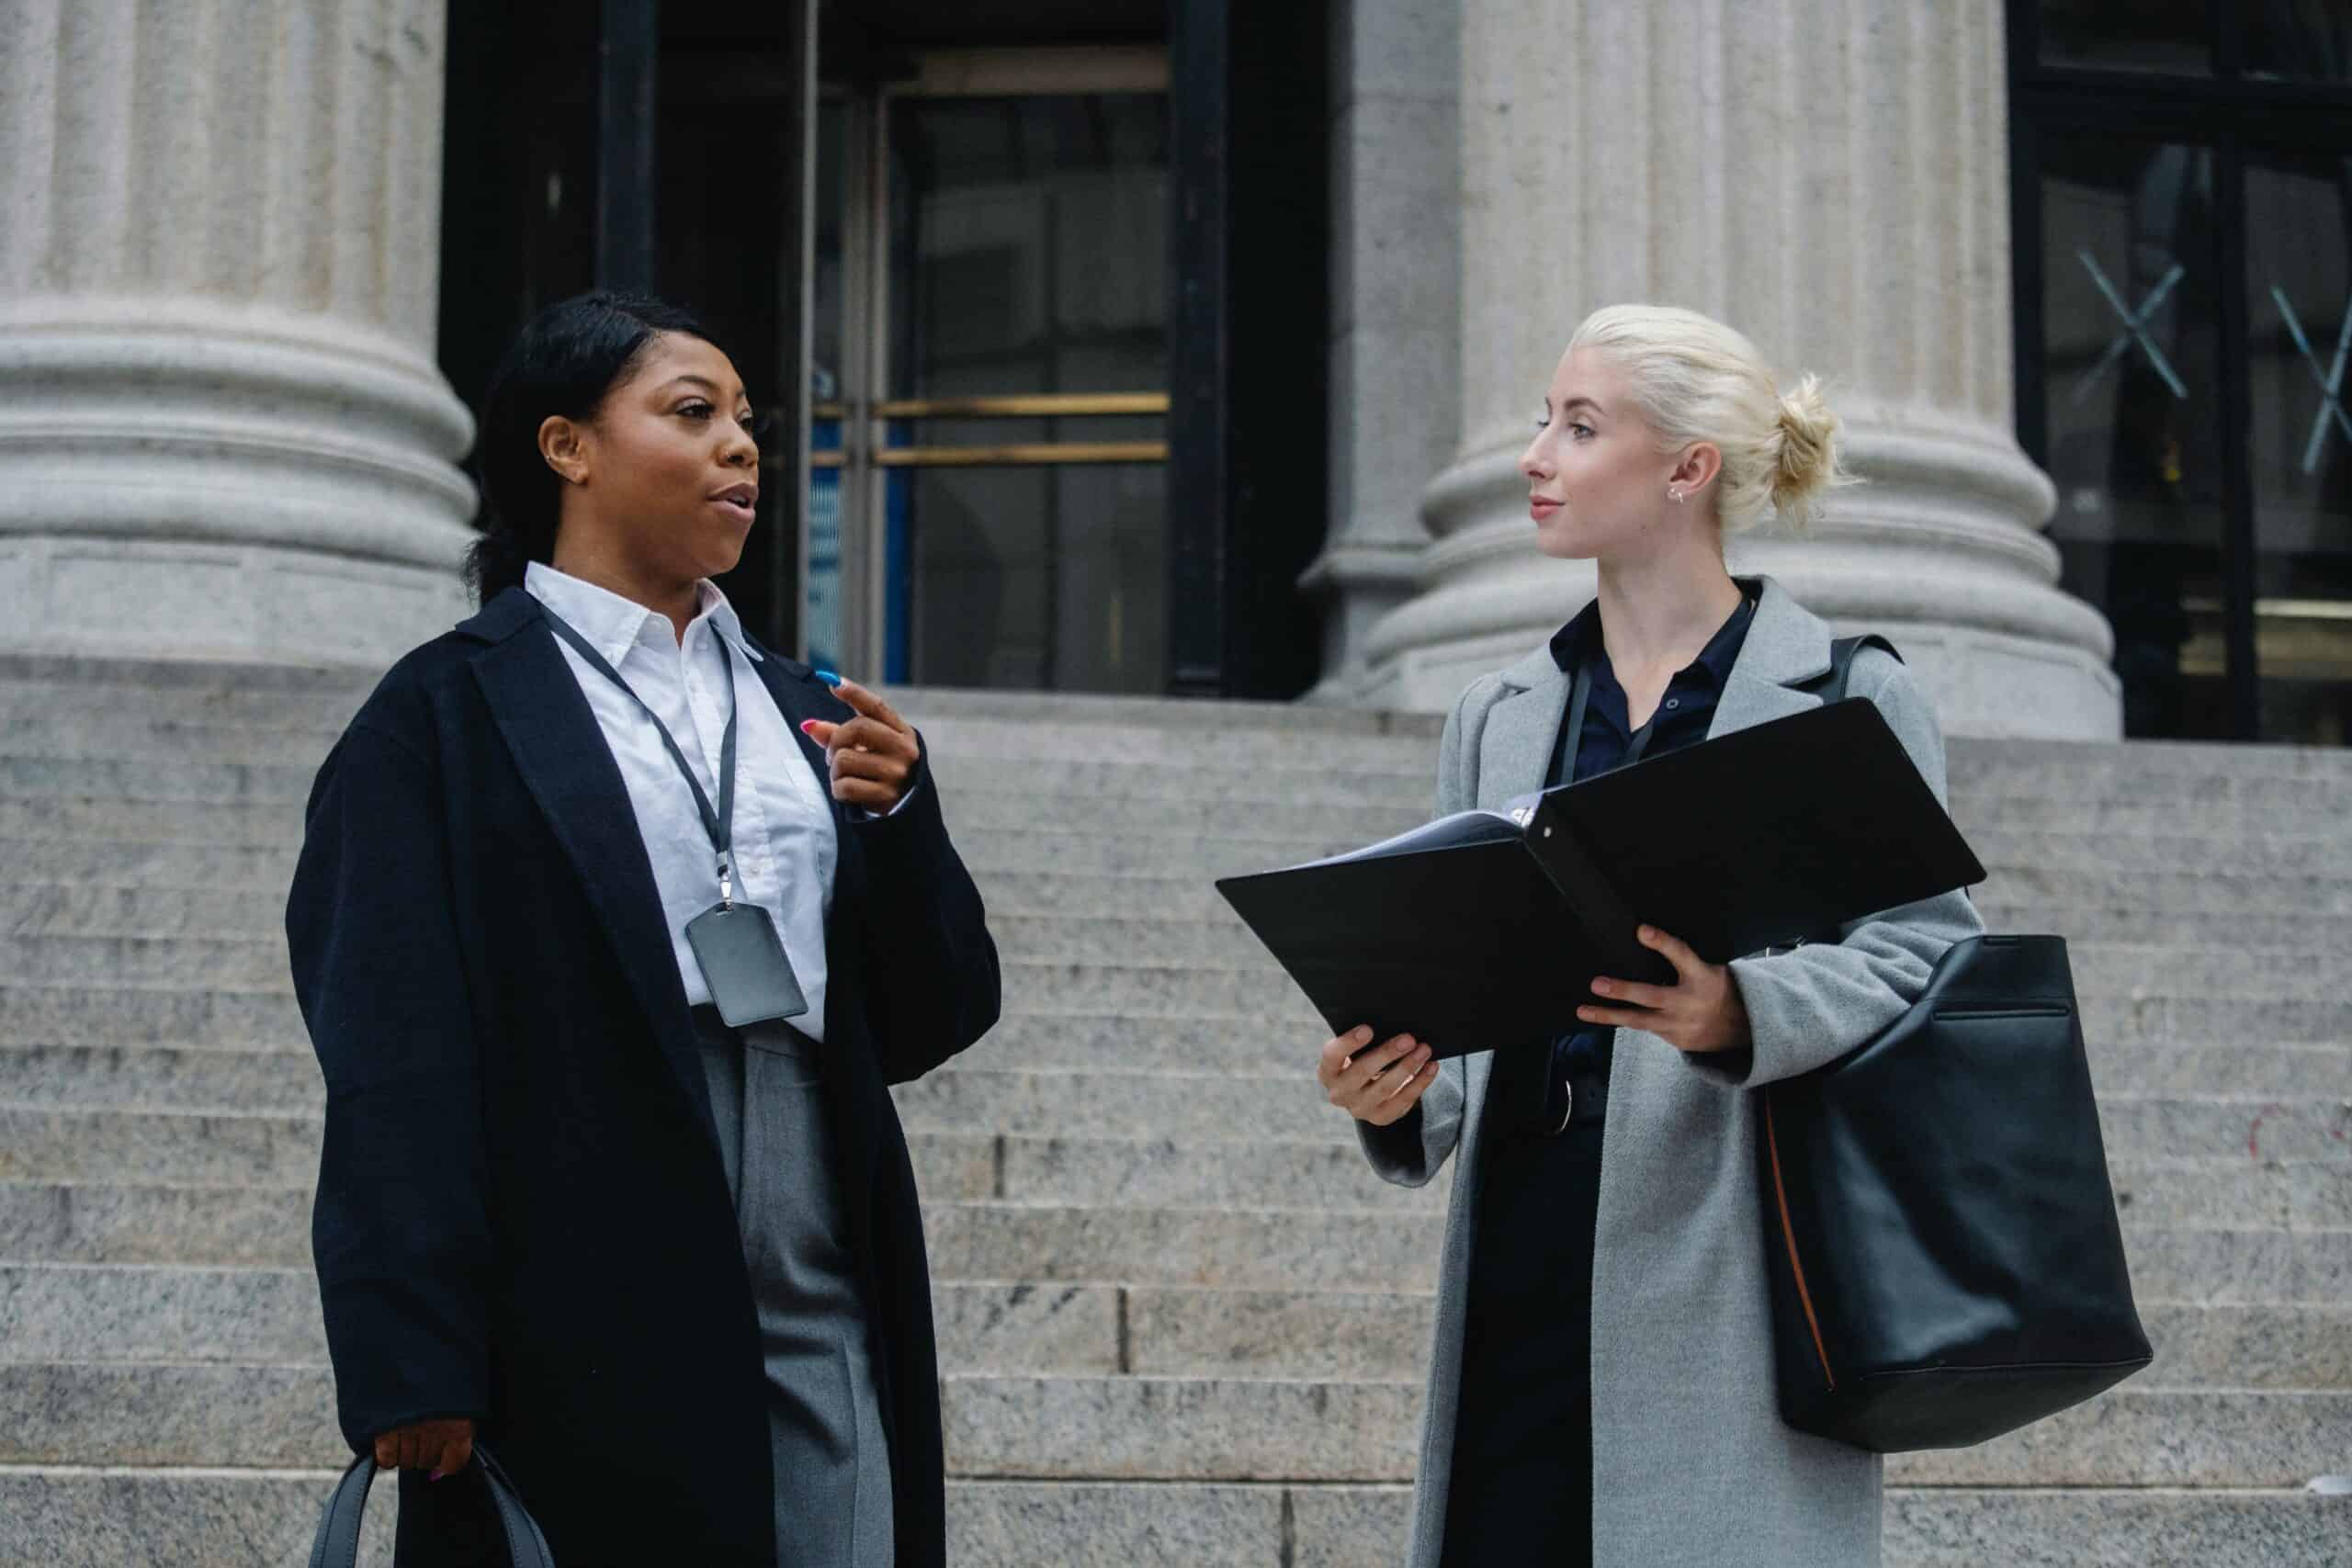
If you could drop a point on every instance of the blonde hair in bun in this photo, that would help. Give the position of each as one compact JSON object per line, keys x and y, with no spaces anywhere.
{"x":1696,"y":379}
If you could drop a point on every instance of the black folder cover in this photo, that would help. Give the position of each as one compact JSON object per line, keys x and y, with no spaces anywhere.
{"x":1486,"y":929}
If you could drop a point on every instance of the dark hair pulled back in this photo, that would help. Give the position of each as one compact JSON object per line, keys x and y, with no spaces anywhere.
{"x":565,"y":361}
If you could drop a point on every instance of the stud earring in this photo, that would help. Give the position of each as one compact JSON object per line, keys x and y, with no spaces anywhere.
{"x":1675,"y":496}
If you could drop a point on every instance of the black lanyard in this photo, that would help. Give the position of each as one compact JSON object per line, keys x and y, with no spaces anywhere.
{"x":719,"y":823}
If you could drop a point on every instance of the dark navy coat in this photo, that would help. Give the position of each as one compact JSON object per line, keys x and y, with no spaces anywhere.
{"x":521,"y":1213}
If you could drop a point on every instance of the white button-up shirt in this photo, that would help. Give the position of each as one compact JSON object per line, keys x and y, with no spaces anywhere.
{"x":784,"y":847}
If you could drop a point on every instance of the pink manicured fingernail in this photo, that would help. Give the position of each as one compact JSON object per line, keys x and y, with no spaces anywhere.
{"x":809,"y":727}
{"x":435,"y":1476}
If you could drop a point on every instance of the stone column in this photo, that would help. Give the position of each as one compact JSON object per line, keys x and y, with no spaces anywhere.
{"x":1831,"y":176}
{"x":221,"y":431}
{"x":1395,"y":181}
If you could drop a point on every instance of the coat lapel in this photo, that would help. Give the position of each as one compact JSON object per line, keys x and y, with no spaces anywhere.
{"x":1787,"y":645}
{"x":553,"y":734}
{"x":1516,"y":746}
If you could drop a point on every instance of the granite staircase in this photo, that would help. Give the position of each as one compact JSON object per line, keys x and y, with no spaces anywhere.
{"x":1179,"y":1321}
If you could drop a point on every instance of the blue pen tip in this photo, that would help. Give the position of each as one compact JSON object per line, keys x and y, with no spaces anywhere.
{"x":828,"y":678}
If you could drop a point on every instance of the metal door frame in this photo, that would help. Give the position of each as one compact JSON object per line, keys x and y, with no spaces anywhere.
{"x":865,"y":317}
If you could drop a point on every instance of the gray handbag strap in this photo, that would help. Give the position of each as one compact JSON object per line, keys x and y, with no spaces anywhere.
{"x":337,"y":1545}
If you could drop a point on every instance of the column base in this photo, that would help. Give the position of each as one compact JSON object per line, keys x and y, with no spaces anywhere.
{"x":159,"y":598}
{"x":184,"y":479}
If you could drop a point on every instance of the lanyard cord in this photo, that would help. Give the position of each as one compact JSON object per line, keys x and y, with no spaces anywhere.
{"x":718,"y":822}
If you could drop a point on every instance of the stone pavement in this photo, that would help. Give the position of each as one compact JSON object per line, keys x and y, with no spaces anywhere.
{"x":1179,"y":1321}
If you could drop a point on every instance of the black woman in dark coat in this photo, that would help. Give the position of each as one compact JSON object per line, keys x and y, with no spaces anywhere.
{"x":612,"y":928}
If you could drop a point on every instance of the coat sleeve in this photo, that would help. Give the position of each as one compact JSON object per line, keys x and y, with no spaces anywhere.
{"x":399,"y":1227}
{"x":932,"y":982}
{"x":1807,"y":1008}
{"x":1413,"y":1149}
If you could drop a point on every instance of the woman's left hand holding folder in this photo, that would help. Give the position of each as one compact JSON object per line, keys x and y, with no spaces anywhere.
{"x":1375,"y":1084}
{"x":1702,"y":1011}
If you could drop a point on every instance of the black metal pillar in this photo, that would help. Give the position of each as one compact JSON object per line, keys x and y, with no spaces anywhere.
{"x":788,"y":455}
{"x":2238,"y":557}
{"x":1199,"y":340}
{"x":630,"y":55}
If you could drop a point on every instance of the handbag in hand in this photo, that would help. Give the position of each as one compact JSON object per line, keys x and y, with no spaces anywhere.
{"x":1939,"y":1230}
{"x":338,"y":1541}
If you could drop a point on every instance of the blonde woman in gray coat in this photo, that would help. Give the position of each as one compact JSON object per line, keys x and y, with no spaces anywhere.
{"x":1600,"y":1383}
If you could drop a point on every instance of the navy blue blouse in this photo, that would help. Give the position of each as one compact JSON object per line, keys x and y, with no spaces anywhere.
{"x":1681,"y":720}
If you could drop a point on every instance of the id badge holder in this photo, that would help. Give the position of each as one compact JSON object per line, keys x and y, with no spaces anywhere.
{"x":743,"y":963}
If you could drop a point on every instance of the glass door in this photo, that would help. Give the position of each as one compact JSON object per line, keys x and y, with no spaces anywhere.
{"x":2299,"y":311}
{"x":987,"y":488}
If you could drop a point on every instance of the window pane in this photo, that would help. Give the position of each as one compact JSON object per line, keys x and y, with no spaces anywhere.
{"x":2308,"y":41}
{"x":2174,"y":36}
{"x":1027,"y":255}
{"x":2300,"y":353}
{"x":2130,"y":352}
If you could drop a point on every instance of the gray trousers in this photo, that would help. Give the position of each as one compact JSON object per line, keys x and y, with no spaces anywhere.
{"x":825,"y":1436}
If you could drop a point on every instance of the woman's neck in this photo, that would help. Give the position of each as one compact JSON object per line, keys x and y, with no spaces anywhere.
{"x":1661,"y":608}
{"x":676,"y":602}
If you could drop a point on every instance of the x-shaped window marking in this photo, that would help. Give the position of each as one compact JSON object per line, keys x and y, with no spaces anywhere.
{"x":2136,"y":329}
{"x":2331,"y":380}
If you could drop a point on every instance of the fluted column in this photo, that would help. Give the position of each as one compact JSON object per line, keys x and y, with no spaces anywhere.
{"x":1396,"y":176}
{"x":1831,"y":176}
{"x":221,"y":431}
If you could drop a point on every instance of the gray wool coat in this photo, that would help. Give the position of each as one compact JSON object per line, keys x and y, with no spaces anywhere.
{"x":1692,"y":1464}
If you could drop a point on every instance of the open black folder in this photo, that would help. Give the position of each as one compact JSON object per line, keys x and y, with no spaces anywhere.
{"x":1487,"y":929}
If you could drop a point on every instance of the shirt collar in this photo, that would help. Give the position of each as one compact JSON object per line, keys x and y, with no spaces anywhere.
{"x":613,"y":624}
{"x":1580,"y":639}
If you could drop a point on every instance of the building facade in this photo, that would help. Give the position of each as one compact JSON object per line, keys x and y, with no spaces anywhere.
{"x":1183,"y":346}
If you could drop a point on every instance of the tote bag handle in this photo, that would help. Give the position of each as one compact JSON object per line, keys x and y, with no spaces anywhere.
{"x":338,"y":1542}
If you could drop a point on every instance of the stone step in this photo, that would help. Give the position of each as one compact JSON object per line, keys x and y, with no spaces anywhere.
{"x":1026,"y":920}
{"x":106,"y":1222}
{"x":188,"y":692}
{"x":2291,"y":1243}
{"x":76,"y":690}
{"x":1972,"y":758}
{"x":120,"y":737}
{"x":187,"y":1018}
{"x":2091,"y":1528}
{"x":1185,"y":892}
{"x":159,"y":1078}
{"x":2283,"y":997}
{"x":2161,"y":1151}
{"x":1344,"y":1250}
{"x":1981,"y":814}
{"x":137,"y":1517}
{"x":136,"y":1314}
{"x":282,"y":1078}
{"x":174,"y":1313}
{"x":1175,"y":1428}
{"x":1069,"y":1036}
{"x":2277,"y":928}
{"x":264,"y":871}
{"x":259,"y":804}
{"x":133,"y":1517}
{"x":2017,"y":900}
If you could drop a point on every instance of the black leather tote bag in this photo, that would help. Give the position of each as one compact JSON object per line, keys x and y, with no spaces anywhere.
{"x":338,"y":1542}
{"x":1940,"y":1234}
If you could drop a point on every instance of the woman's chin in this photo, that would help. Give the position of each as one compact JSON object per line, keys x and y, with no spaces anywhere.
{"x":1562,"y":545}
{"x":721,"y":554}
